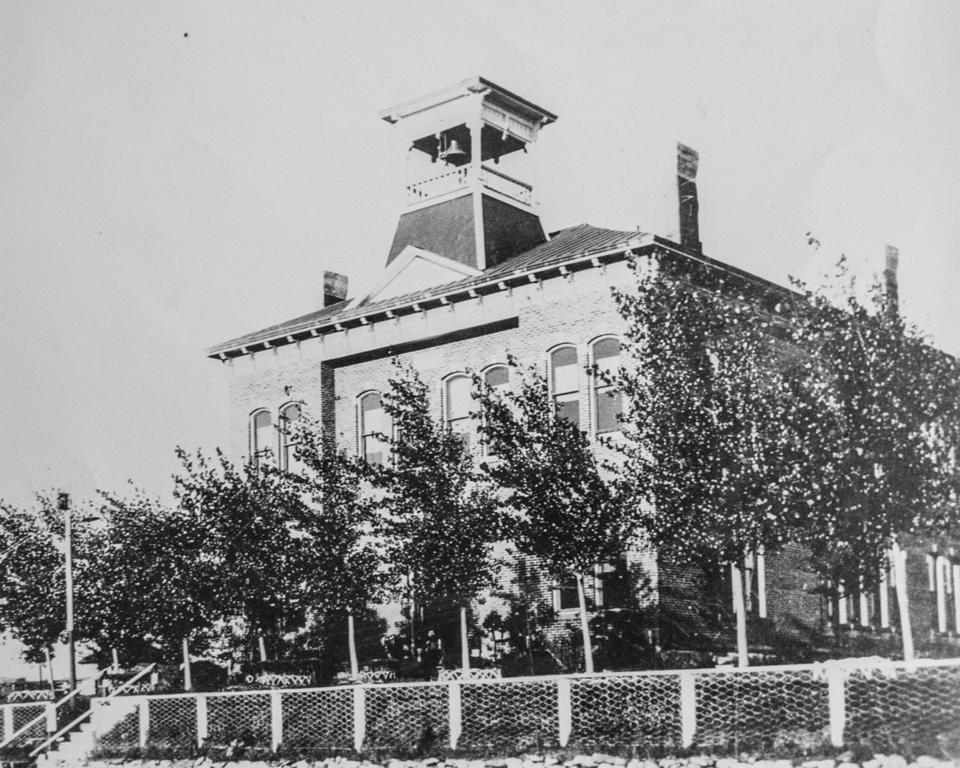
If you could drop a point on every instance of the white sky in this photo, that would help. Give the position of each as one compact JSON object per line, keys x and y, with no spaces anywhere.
{"x":173,"y":174}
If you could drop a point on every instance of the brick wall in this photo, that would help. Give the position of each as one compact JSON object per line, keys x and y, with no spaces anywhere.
{"x":329,"y":374}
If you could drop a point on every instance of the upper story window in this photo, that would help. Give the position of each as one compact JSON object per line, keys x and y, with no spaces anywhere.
{"x":564,"y":387}
{"x":607,"y":400}
{"x":261,"y":435}
{"x":456,"y":403}
{"x":372,"y":428}
{"x":289,"y":416}
{"x":495,"y":377}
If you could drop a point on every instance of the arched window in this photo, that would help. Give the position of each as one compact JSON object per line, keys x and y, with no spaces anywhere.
{"x":456,"y":404}
{"x":607,"y":402}
{"x":261,"y":435}
{"x":372,"y":428}
{"x":289,"y":416}
{"x":495,"y":377}
{"x":564,"y":384}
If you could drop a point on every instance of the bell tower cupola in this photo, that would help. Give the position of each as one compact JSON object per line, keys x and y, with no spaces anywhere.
{"x":468,"y":197}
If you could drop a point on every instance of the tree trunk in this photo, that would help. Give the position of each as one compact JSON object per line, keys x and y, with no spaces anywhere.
{"x":903,"y":603}
{"x":53,"y":686}
{"x":736,"y":580}
{"x":352,"y":643}
{"x":464,"y":640}
{"x":262,"y":645}
{"x":187,"y":677}
{"x":584,"y":627}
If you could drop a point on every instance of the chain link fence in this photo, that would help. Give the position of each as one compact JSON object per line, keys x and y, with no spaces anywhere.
{"x":884,"y":707}
{"x":762,"y":709}
{"x":406,"y":718}
{"x":172,"y":722}
{"x":640,"y":711}
{"x":804,"y":707}
{"x":16,"y":716}
{"x":319,"y":719}
{"x":246,"y":719}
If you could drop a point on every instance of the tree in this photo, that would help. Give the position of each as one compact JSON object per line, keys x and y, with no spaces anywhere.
{"x":32,"y":585}
{"x":705,"y":443}
{"x":877,"y":415}
{"x":439,"y":522}
{"x":563,"y":510}
{"x":267,"y":573}
{"x":340,"y":528}
{"x":147,"y":587}
{"x":286,"y":547}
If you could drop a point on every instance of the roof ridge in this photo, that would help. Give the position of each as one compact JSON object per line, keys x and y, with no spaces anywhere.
{"x":568,"y":243}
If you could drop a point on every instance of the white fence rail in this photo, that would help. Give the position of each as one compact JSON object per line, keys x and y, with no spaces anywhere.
{"x":835,"y":702}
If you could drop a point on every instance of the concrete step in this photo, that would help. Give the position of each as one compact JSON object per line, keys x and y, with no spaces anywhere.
{"x":77,"y":744}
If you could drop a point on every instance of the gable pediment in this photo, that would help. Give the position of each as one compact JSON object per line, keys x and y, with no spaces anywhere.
{"x":415,"y":269}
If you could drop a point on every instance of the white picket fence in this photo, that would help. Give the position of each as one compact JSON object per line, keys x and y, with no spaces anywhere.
{"x":811,"y":704}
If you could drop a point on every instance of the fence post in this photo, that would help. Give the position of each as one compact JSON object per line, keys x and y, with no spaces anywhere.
{"x":201,"y":720}
{"x":359,"y":718}
{"x":51,"y":711}
{"x":688,"y":708}
{"x":144,"y":721}
{"x":564,"y":710}
{"x":7,"y":722}
{"x":455,"y":713}
{"x":276,"y":720}
{"x":837,"y":702}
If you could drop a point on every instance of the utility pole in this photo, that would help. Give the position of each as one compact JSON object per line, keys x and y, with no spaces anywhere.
{"x":63,"y":504}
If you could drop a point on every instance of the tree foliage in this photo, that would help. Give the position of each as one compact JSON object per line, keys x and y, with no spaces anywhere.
{"x":340,"y":524}
{"x":32,"y":582}
{"x":876,"y":413}
{"x":148,"y":585}
{"x":563,"y":509}
{"x":282,"y":546}
{"x":705,"y":443}
{"x":438,"y":520}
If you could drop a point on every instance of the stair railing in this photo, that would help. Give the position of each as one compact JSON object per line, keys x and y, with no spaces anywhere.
{"x":43,"y":715}
{"x":87,"y":714}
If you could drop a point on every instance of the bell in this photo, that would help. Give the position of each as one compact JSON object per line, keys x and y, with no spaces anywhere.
{"x":453,"y":153}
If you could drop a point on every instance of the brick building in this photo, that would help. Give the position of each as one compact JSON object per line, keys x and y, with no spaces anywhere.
{"x":472,"y":278}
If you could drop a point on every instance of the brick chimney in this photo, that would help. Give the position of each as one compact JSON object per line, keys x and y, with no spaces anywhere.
{"x":687,"y":162}
{"x":891,"y":288}
{"x":334,"y":288}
